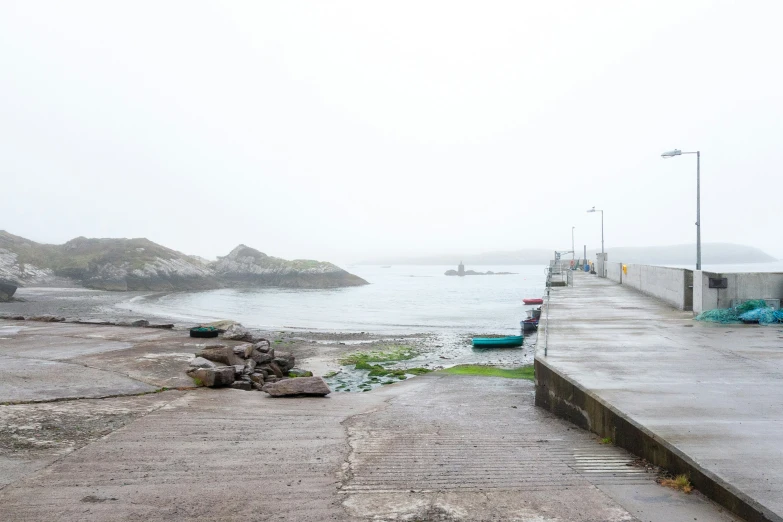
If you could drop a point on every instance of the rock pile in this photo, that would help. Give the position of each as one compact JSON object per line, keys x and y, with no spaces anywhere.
{"x":250,"y":366}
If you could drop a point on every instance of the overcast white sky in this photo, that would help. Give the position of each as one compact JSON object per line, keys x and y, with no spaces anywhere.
{"x":347,"y":130}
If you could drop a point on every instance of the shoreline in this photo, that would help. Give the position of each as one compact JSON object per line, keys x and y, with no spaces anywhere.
{"x":316,"y":350}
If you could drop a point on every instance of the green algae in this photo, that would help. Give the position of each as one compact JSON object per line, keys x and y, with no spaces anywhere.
{"x":523,"y":372}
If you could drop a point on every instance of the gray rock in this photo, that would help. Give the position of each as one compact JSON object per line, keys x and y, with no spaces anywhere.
{"x":263,"y":346}
{"x":239,"y":370}
{"x":237,"y":332}
{"x":242,"y":385}
{"x":274,"y":369}
{"x":7,"y":291}
{"x":141,"y":323}
{"x":250,"y":366}
{"x":214,"y":377}
{"x":298,"y":372}
{"x":257,"y":378}
{"x":243,"y":350}
{"x":308,"y":386}
{"x":261,"y":358}
{"x":285,"y":361}
{"x":270,"y":379}
{"x":200,"y":362}
{"x":220,"y":353}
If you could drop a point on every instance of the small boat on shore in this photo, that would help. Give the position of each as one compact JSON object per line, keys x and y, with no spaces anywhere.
{"x":533,"y":301}
{"x":498,"y":342}
{"x":529,"y":325}
{"x":204,"y":332}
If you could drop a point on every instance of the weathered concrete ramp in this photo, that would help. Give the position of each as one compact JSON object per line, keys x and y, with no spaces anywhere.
{"x":698,"y":398}
{"x":457,"y":448}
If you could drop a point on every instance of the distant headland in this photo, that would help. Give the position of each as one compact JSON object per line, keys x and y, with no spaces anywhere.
{"x":140,"y":264}
{"x":712,"y":253}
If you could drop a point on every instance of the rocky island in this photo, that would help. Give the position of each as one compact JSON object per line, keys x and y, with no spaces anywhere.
{"x":140,"y":264}
{"x":460,"y":271}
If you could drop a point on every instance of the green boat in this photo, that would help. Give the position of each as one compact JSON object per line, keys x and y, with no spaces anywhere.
{"x":498,"y":342}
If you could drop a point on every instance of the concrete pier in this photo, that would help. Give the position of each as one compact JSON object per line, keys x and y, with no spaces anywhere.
{"x":695,"y":398}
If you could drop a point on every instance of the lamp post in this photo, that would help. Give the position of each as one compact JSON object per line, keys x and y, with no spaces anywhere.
{"x":572,"y":243}
{"x":678,"y":152}
{"x":602,"y":226}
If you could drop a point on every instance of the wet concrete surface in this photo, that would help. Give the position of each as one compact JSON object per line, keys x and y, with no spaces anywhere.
{"x":436,"y":447}
{"x":439,"y":447}
{"x":712,"y":391}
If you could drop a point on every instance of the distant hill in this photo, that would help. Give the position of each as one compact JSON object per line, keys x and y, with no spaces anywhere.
{"x":712,"y":253}
{"x":140,"y":264}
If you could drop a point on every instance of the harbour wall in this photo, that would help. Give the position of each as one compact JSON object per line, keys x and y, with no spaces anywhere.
{"x":671,"y":285}
{"x":714,"y":290}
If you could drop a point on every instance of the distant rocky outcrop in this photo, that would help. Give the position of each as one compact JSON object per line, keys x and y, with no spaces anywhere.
{"x":472,"y":273}
{"x":140,"y":264}
{"x":245,"y":266}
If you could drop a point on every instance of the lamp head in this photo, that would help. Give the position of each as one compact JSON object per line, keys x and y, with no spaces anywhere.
{"x":592,"y":210}
{"x":671,"y":153}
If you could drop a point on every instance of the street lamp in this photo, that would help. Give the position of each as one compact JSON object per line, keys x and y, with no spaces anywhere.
{"x":572,"y":243}
{"x":678,"y":152}
{"x":602,"y":226}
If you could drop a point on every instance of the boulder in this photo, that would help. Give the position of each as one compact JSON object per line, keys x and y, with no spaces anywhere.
{"x":141,"y":323}
{"x":239,"y":370}
{"x":243,"y":350}
{"x":261,"y":358}
{"x":263,"y":346}
{"x":273,"y":369}
{"x":237,"y":332}
{"x":298,"y":372}
{"x":307,"y":386}
{"x":257,"y":378}
{"x":242,"y":385}
{"x":285,"y":361}
{"x":200,"y":362}
{"x":214,"y":377}
{"x":7,"y":291}
{"x":220,"y":353}
{"x":250,"y":366}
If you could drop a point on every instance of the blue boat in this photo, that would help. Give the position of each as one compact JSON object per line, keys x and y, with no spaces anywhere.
{"x":498,"y":342}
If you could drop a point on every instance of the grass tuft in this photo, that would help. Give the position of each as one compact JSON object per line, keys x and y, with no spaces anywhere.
{"x":680,"y":482}
{"x":606,"y":440}
{"x":523,"y":372}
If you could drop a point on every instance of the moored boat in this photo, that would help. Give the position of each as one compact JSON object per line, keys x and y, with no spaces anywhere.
{"x":511,"y":341}
{"x":533,"y":301}
{"x":529,"y":325}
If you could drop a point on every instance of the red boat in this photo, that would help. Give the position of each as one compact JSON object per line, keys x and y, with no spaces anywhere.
{"x":531,"y":301}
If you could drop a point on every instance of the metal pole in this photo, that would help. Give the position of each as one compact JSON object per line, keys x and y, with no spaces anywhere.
{"x":602,"y":231}
{"x":572,"y":243}
{"x":698,"y":210}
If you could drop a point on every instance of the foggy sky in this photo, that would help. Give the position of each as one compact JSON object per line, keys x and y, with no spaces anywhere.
{"x":350,"y":130}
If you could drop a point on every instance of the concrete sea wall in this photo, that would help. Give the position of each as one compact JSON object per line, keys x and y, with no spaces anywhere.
{"x":671,"y":285}
{"x":729,"y":288}
{"x":564,"y":397}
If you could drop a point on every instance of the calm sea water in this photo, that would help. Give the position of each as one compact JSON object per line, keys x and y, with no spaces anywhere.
{"x":399,"y":300}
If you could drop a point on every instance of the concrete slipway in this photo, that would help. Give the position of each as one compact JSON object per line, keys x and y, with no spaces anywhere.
{"x":699,"y":398}
{"x":437,"y":447}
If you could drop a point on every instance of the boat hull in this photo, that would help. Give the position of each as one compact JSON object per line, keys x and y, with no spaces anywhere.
{"x":498,"y":342}
{"x":533,"y":301}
